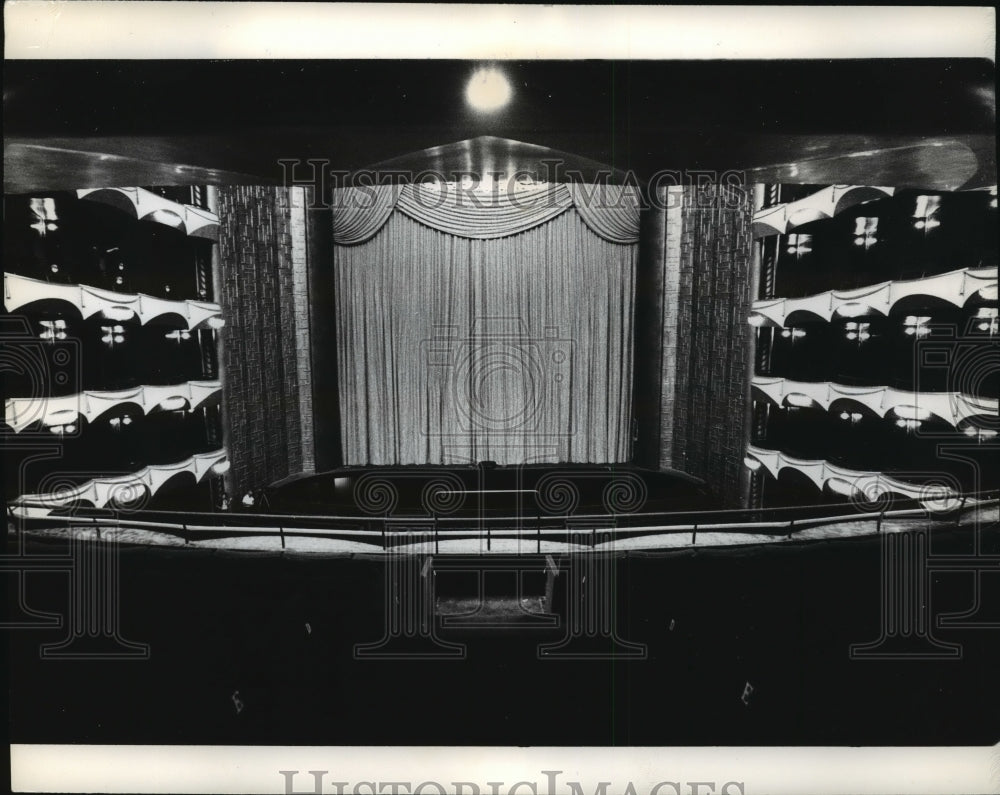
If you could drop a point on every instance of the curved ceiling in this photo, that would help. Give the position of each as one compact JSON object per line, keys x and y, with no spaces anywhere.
{"x":489,"y":154}
{"x":72,"y":124}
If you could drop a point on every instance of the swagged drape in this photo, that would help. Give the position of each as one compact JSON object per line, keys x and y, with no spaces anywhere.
{"x":472,"y":331}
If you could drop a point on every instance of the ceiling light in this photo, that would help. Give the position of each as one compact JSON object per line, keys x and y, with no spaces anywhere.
{"x":488,"y":89}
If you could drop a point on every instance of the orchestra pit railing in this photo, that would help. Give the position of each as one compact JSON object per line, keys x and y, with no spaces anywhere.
{"x":596,"y":532}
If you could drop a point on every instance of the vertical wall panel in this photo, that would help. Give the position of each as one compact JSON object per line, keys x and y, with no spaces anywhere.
{"x":263,"y":303}
{"x":710,"y":426}
{"x":697,"y":259}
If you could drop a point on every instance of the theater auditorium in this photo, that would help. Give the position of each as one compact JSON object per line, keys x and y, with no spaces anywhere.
{"x":524,"y":368}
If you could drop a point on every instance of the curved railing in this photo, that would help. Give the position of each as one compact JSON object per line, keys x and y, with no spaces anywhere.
{"x":523,"y":533}
{"x":20,"y":291}
{"x":19,"y":413}
{"x":952,"y":407}
{"x":145,"y":205}
{"x":857,"y":485}
{"x":955,"y":287}
{"x":825,"y":203}
{"x":135,"y":488}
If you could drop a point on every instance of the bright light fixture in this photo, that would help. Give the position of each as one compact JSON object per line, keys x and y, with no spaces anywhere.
{"x":854,"y":309}
{"x":173,"y":403}
{"x":118,"y":313}
{"x":798,"y":400}
{"x":912,"y":413}
{"x":488,"y":89}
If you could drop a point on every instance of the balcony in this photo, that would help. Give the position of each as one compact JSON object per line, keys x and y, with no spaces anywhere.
{"x":145,"y":205}
{"x":826,"y":203}
{"x":956,"y":288}
{"x":864,"y":488}
{"x":19,"y":413}
{"x":952,"y":407}
{"x":20,"y":291}
{"x":133,"y":490}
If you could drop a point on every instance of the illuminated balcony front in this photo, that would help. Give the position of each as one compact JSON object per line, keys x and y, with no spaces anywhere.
{"x":55,"y":412}
{"x":952,"y":407}
{"x":145,"y":205}
{"x":20,"y":291}
{"x":132,"y":490}
{"x":864,"y":488}
{"x":825,"y":203}
{"x":956,"y":288}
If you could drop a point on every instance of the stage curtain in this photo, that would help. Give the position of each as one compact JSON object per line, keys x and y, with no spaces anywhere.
{"x":483,"y":216}
{"x":610,"y":211}
{"x":359,"y":213}
{"x":454,"y":349}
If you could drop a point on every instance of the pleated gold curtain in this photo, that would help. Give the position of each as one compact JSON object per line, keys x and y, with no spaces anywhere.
{"x":453,"y":350}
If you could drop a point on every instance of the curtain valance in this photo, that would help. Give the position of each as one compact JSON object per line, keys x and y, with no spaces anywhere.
{"x":610,"y":211}
{"x":358,"y":213}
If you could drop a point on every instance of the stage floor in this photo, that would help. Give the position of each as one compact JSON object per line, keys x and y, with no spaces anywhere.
{"x":524,"y":491}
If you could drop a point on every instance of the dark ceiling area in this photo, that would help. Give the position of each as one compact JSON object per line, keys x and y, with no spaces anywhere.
{"x":84,"y":123}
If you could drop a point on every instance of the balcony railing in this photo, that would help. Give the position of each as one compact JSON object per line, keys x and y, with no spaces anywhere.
{"x":956,"y":287}
{"x":19,"y":413}
{"x":826,"y":203}
{"x":868,"y":487}
{"x":132,"y":490}
{"x":952,"y":407}
{"x":518,"y":535}
{"x":20,"y":291}
{"x":145,"y":205}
